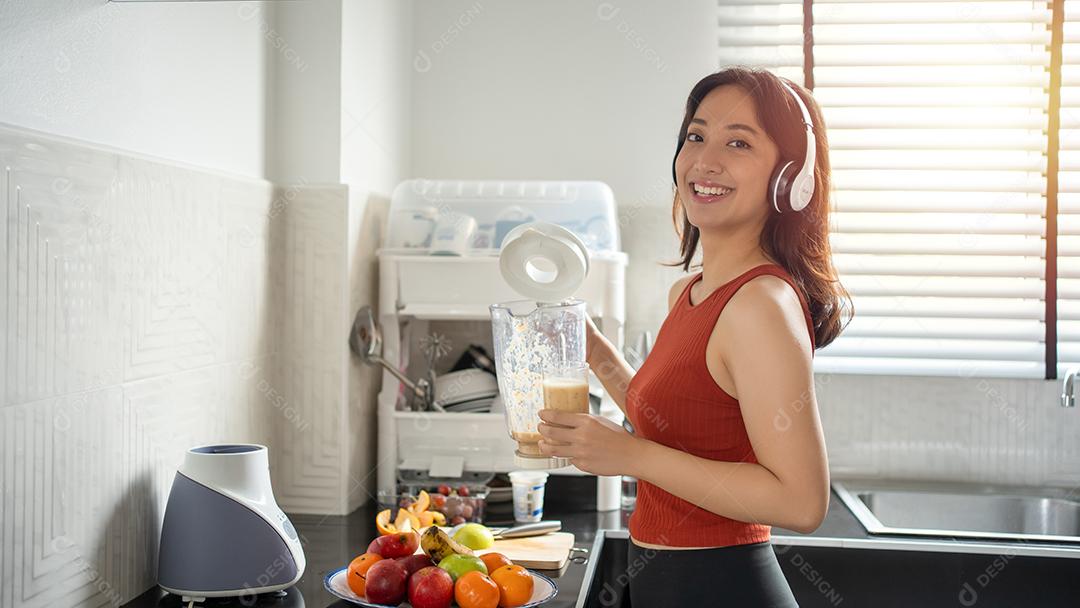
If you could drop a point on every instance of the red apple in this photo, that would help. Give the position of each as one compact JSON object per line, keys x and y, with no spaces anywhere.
{"x":415,"y":562}
{"x":431,"y":587}
{"x":444,"y":489}
{"x":463,"y":490}
{"x":386,"y":582}
{"x":401,"y":544}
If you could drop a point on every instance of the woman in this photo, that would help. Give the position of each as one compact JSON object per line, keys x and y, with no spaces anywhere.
{"x":727,"y":437}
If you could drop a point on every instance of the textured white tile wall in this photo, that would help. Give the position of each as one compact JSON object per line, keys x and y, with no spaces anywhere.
{"x":952,"y":429}
{"x":148,"y":307}
{"x":310,"y":369}
{"x":367,"y":212}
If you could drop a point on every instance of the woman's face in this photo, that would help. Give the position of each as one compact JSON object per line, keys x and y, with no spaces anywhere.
{"x":728,"y":155}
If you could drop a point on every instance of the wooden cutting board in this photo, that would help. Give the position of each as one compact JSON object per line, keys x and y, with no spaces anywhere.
{"x":545,"y":552}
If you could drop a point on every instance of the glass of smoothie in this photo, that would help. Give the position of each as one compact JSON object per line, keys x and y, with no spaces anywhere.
{"x":566,"y":387}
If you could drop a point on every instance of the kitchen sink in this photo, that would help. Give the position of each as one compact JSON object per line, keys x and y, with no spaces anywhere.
{"x":963,"y":510}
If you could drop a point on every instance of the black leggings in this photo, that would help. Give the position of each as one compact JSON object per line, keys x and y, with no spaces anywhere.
{"x":742,"y":575}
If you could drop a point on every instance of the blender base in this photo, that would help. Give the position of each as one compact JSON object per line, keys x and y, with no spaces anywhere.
{"x":542,"y":463}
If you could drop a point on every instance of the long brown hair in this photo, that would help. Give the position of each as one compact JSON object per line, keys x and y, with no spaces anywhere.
{"x":798,"y":241}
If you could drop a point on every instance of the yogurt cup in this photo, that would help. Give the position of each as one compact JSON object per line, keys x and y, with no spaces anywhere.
{"x":528,"y":489}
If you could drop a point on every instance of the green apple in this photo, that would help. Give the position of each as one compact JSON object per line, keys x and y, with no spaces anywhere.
{"x":457,"y":564}
{"x":474,"y":536}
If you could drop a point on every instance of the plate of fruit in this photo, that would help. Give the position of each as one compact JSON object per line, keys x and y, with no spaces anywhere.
{"x":430,"y":569}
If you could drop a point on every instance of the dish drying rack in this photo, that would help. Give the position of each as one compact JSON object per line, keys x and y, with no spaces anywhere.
{"x":418,"y":291}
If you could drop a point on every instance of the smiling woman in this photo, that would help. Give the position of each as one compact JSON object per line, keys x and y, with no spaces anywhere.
{"x":727,"y":437}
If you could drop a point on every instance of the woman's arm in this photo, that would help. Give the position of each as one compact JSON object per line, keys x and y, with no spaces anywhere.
{"x":767,"y":351}
{"x":608,"y":365}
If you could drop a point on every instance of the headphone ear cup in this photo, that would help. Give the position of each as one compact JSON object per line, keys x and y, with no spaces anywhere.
{"x":780,"y":186}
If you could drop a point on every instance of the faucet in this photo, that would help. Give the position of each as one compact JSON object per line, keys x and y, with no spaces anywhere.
{"x":1068,"y":395}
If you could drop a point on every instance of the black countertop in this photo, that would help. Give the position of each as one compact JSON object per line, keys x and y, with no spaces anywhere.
{"x":331,"y":542}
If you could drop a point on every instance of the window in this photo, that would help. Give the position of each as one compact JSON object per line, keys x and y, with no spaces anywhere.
{"x":763,"y":33}
{"x":1068,"y":218}
{"x":937,"y":117}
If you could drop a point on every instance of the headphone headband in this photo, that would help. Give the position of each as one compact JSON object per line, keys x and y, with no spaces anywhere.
{"x":801,"y":189}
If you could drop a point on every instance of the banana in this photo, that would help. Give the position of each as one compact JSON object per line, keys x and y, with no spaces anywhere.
{"x":438,"y":544}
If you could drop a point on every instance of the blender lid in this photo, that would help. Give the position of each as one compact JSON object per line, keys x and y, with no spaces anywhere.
{"x":543,"y":261}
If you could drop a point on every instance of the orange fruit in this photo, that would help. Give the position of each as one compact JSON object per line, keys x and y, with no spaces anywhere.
{"x":515,"y":585}
{"x":382,"y":523}
{"x":474,"y":589}
{"x":358,"y":572}
{"x":426,"y":518}
{"x":406,"y":520}
{"x":422,"y":503}
{"x":495,"y":560}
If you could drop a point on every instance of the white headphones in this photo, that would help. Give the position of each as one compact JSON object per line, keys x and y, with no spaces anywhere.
{"x":789,"y":189}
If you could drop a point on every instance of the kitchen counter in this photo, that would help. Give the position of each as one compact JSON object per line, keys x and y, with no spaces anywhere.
{"x":330,"y":542}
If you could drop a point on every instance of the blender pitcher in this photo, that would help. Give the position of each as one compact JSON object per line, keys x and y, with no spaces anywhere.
{"x":546,"y":263}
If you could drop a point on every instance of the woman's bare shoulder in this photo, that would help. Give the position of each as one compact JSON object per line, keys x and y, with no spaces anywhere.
{"x":767,"y":293}
{"x":765,"y":306}
{"x":677,"y":288}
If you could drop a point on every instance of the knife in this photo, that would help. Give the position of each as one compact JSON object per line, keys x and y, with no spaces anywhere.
{"x":530,"y":529}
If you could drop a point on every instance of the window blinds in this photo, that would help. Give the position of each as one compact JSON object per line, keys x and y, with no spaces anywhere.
{"x":763,"y":33}
{"x":936,"y":116}
{"x":1069,"y":196}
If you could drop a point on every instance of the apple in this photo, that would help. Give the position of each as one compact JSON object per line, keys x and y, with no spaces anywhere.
{"x":431,"y":587}
{"x":457,"y":564}
{"x":475,"y":536}
{"x":444,"y":489}
{"x":401,"y":544}
{"x":386,"y":582}
{"x":463,"y":490}
{"x":415,"y":562}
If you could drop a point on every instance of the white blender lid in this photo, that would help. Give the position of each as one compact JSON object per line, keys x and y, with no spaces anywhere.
{"x":543,"y":261}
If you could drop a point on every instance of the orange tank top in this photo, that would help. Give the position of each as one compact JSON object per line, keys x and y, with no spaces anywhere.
{"x":674,"y":400}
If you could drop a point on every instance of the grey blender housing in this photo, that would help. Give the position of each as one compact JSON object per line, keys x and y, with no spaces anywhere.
{"x":223,"y":534}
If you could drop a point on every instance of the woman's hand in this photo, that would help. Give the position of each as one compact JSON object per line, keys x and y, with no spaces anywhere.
{"x":593,"y":444}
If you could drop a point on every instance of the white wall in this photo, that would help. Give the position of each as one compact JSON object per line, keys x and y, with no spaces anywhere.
{"x":376,"y":86}
{"x":566,"y":90}
{"x":192,"y":306}
{"x":183,"y":81}
{"x":141,"y":310}
{"x":376,"y":89}
{"x":305,"y":92}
